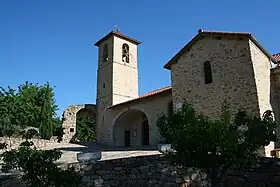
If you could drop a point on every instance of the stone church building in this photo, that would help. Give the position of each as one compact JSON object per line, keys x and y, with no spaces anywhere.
{"x":212,"y":67}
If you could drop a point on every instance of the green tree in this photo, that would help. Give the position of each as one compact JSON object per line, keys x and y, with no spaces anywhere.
{"x":46,"y":126}
{"x":58,"y":129}
{"x":29,"y":105}
{"x":86,"y":128}
{"x":8,"y":105}
{"x":216,"y":145}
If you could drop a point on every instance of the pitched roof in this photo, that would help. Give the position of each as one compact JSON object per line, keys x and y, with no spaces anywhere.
{"x":203,"y":33}
{"x":149,"y":94}
{"x":277,"y":57}
{"x":119,"y":34}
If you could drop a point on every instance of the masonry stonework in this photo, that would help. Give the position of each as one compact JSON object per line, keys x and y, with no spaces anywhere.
{"x":156,"y":171}
{"x":117,"y":79}
{"x":241,"y":72}
{"x":262,"y":76}
{"x":152,"y":107}
{"x":275,"y":84}
{"x":70,"y":117}
{"x":232,"y":72}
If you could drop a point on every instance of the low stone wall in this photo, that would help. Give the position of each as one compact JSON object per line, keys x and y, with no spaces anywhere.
{"x":155,"y":171}
{"x":143,"y":171}
{"x":15,"y":142}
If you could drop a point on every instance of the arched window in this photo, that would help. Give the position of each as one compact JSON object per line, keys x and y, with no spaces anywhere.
{"x":125,"y":53}
{"x":105,"y":52}
{"x":208,"y":72}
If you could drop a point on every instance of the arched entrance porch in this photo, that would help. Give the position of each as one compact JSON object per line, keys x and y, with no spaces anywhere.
{"x":131,"y":129}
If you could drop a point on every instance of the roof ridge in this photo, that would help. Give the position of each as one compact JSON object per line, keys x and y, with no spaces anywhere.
{"x":203,"y":33}
{"x":159,"y":89}
{"x":149,"y":94}
{"x":223,"y":32}
{"x":119,"y":34}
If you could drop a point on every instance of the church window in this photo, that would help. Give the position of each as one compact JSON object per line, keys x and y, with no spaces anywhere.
{"x":208,"y":72}
{"x":125,"y":53}
{"x":105,"y":52}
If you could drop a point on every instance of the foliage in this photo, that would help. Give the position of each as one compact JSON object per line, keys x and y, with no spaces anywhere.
{"x":86,"y":128}
{"x":3,"y":145}
{"x":216,"y":145}
{"x":9,"y":130}
{"x":58,"y":131}
{"x":29,"y":134}
{"x":29,"y":105}
{"x":46,"y":122}
{"x":26,"y":143}
{"x":39,"y":168}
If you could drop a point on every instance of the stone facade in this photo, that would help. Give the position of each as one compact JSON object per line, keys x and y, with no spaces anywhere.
{"x":156,"y":171}
{"x":118,"y":117}
{"x":240,"y":74}
{"x":70,"y":115}
{"x":232,"y":74}
{"x":117,"y":80}
{"x":276,"y":93}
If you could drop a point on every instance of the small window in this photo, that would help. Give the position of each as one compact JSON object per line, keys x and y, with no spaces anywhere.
{"x":208,"y":72}
{"x":105,"y":52}
{"x":103,"y":85}
{"x":71,"y":129}
{"x":125,"y":53}
{"x":103,"y":118}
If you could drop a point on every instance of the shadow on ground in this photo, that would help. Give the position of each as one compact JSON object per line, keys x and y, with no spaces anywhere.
{"x":92,"y":146}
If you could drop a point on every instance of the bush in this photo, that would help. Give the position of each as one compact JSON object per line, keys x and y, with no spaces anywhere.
{"x":86,"y":129}
{"x":216,"y":145}
{"x":29,"y":134}
{"x":38,"y":167}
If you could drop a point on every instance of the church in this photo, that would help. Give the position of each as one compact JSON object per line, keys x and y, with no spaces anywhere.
{"x":209,"y":69}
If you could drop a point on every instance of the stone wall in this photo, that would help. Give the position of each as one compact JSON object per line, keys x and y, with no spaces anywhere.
{"x":15,"y":142}
{"x":156,"y":171}
{"x":232,"y":75}
{"x":276,"y":93}
{"x":70,"y":116}
{"x":152,"y":107}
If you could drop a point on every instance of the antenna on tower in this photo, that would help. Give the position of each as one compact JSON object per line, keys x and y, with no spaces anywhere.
{"x":116,"y":28}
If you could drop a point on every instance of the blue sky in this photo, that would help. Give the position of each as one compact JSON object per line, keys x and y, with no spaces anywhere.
{"x":53,"y":40}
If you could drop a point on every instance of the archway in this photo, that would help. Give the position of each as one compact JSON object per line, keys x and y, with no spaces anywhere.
{"x":131,"y":129}
{"x":69,"y":118}
{"x":85,"y":126}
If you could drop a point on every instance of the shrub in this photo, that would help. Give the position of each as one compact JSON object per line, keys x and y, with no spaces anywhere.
{"x":38,"y":167}
{"x":216,"y":145}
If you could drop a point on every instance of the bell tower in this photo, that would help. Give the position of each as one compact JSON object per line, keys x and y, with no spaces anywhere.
{"x":117,"y":74}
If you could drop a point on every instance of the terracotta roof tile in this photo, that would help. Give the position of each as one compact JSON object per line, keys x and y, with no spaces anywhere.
{"x":277,"y":57}
{"x":149,"y":94}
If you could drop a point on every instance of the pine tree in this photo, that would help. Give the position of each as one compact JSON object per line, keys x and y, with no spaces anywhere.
{"x":46,"y":126}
